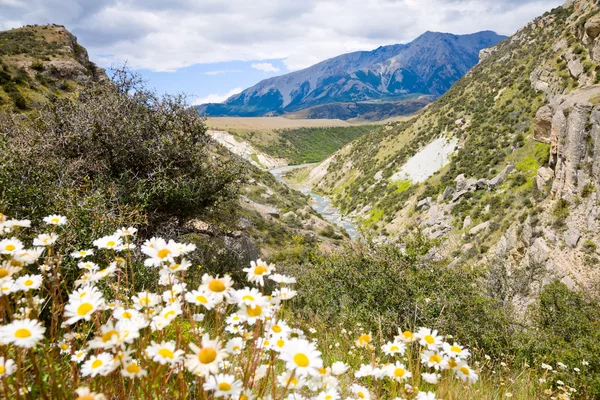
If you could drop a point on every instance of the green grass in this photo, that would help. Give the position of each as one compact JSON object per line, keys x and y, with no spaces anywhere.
{"x":308,"y":145}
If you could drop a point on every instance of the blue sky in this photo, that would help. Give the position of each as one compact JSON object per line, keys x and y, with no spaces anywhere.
{"x":179,"y":45}
{"x":213,"y":82}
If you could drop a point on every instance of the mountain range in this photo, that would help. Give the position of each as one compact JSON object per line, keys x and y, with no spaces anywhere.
{"x":389,"y":77}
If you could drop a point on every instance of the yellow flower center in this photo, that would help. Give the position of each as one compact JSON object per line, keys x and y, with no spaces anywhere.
{"x":16,"y":263}
{"x":10,"y":247}
{"x":2,"y":369}
{"x":97,"y":364}
{"x":108,"y":336}
{"x":276,"y":328}
{"x":248,"y":297}
{"x":322,"y":371}
{"x":224,"y":386}
{"x":452,"y":363}
{"x":163,"y":253}
{"x":28,"y":282}
{"x":361,"y":395}
{"x":255,"y":311}
{"x":3,"y":273}
{"x":216,"y":285}
{"x":455,"y":349}
{"x":429,"y":339}
{"x":465,"y":370}
{"x":280,"y":343}
{"x":55,"y":220}
{"x":169,"y":314}
{"x":408,"y":335}
{"x":174,"y":266}
{"x":394,"y":348}
{"x":126,"y":314}
{"x":133,"y":368}
{"x":144,"y":301}
{"x":301,"y":360}
{"x":110,"y":243}
{"x":364,"y":339}
{"x":435,"y":359}
{"x":328,"y":397}
{"x":64,"y":346}
{"x":207,"y":355}
{"x":84,"y":309}
{"x":399,"y":372}
{"x":22,"y":333}
{"x":260,"y":269}
{"x":201,"y":299}
{"x":243,"y":397}
{"x":86,"y":397}
{"x":166,"y":353}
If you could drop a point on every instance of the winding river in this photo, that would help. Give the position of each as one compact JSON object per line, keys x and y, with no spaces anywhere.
{"x":319,"y":203}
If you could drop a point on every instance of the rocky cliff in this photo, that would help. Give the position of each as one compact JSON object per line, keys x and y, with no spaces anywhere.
{"x":520,"y":194}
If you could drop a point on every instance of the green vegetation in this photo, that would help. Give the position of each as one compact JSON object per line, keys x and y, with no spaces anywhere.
{"x":309,"y":145}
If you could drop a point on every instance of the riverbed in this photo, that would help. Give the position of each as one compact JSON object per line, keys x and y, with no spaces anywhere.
{"x":320,"y":204}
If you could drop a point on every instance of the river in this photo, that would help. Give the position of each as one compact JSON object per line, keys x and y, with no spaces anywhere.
{"x":319,"y":203}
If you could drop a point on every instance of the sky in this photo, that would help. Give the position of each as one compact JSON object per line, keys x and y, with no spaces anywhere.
{"x":212,"y":49}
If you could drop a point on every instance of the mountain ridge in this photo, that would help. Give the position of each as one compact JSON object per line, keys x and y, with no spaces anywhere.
{"x":428,"y":65}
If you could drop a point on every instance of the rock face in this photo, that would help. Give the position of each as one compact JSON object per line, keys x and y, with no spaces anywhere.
{"x":543,"y":124}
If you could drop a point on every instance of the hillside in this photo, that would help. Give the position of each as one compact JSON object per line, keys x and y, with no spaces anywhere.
{"x":429,"y":65}
{"x":38,"y":62}
{"x":519,"y":189}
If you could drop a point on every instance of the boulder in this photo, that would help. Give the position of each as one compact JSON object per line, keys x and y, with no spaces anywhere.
{"x":461,"y":182}
{"x":467,"y":222}
{"x":539,"y":251}
{"x":458,"y":195}
{"x":290,"y":214}
{"x":542,"y":125}
{"x":592,"y":27}
{"x":481,"y":183}
{"x":424,"y":203}
{"x":481,"y":227}
{"x":498,"y":179}
{"x":544,"y":176}
{"x":448,"y":192}
{"x":572,"y":236}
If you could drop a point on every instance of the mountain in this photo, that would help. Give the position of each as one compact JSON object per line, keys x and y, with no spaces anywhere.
{"x":429,"y":65}
{"x":503,"y":170}
{"x":38,"y":62}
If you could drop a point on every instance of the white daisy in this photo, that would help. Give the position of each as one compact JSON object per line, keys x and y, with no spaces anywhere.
{"x":55,"y":220}
{"x":22,"y":333}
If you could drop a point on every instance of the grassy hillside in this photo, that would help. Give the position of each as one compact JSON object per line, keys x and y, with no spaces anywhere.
{"x":38,"y":63}
{"x":309,"y":145}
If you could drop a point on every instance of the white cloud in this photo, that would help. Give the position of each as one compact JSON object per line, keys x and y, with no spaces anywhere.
{"x":216,"y":98}
{"x":265,"y":67}
{"x":221,"y":71}
{"x":166,"y":36}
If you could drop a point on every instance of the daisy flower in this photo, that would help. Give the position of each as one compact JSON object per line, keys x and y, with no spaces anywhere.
{"x":10,"y":246}
{"x":97,"y":365}
{"x":160,"y":251}
{"x":425,"y":396}
{"x":145,"y":300}
{"x":224,"y":386}
{"x":126,"y":232}
{"x":205,"y":360}
{"x":302,"y":356}
{"x":292,"y":382}
{"x":82,"y":308}
{"x":429,"y":338}
{"x":397,"y":371}
{"x":111,"y":242}
{"x":257,"y":271}
{"x":79,"y":356}
{"x":431,"y":378}
{"x":219,"y":287}
{"x":201,"y":298}
{"x":88,"y":265}
{"x":360,"y":391}
{"x":22,"y":333}
{"x":282,"y":279}
{"x":133,"y":370}
{"x":248,"y":297}
{"x":393,"y":348}
{"x":465,"y":373}
{"x":45,"y":239}
{"x":164,"y":353}
{"x":406,"y":337}
{"x":433,"y":360}
{"x":82,"y":253}
{"x":456,"y":351}
{"x":84,"y":393}
{"x":28,"y":282}
{"x":339,"y":368}
{"x":7,"y":367}
{"x":55,"y":220}
{"x":363,"y":340}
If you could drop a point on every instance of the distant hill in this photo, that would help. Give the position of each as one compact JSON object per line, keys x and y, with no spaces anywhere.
{"x":429,"y":65}
{"x":41,"y":61}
